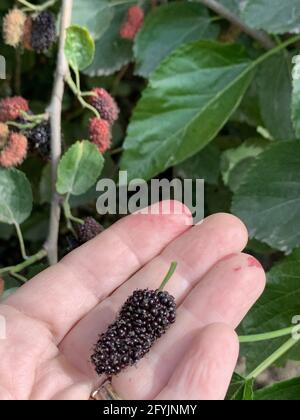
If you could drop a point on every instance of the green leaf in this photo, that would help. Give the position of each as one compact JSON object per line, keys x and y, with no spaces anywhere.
{"x":79,"y":47}
{"x":112,"y":52}
{"x":274,"y":16}
{"x":268,"y":201}
{"x":79,"y":168}
{"x":275,"y":310}
{"x":166,"y":28}
{"x":275,"y":97}
{"x":233,"y":5}
{"x":240,"y":389}
{"x":281,"y":391}
{"x":15,"y":196}
{"x":296,"y":96}
{"x":204,"y":165}
{"x":236,"y":162}
{"x":190,"y":97}
{"x":95,"y":15}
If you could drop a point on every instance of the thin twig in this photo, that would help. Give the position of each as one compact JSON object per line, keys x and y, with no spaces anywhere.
{"x":259,"y":36}
{"x":55,"y":120}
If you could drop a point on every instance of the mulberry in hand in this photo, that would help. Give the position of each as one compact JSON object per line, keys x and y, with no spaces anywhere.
{"x":145,"y":316}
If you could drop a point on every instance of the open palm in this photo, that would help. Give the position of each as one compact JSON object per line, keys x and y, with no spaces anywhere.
{"x":54,"y":320}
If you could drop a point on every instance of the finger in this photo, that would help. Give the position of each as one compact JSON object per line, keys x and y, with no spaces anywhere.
{"x":224,"y":295}
{"x":63,"y":294}
{"x":196,"y":251}
{"x":206,"y":369}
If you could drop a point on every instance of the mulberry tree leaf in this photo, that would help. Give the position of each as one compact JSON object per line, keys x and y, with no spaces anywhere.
{"x":79,"y":168}
{"x":166,"y":28}
{"x":15,"y":196}
{"x":268,"y":200}
{"x":191,"y":95}
{"x":274,"y":16}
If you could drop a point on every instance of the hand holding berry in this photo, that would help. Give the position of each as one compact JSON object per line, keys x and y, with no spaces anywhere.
{"x":63,"y":310}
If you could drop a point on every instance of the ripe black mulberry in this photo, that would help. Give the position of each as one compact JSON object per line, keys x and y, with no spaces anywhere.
{"x":89,"y":230}
{"x":144,"y":317}
{"x":39,"y":139}
{"x":43,"y":32}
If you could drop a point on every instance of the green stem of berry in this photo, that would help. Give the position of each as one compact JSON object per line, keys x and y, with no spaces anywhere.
{"x":21,"y":241}
{"x":39,"y":7}
{"x":268,"y":336}
{"x":19,"y":277}
{"x":27,"y":263}
{"x":168,"y":275}
{"x":77,"y":93}
{"x":69,"y":216}
{"x":34,"y":120}
{"x":288,"y":345}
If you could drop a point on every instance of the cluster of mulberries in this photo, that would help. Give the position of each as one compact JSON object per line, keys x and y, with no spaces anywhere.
{"x":39,"y":139}
{"x":133,"y":22}
{"x":144,"y":317}
{"x":37,"y":32}
{"x":100,"y":128}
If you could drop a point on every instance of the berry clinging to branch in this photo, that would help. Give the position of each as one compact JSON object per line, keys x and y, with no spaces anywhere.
{"x":104,"y":104}
{"x":133,"y":23}
{"x":15,"y":150}
{"x":43,"y":32}
{"x":100,"y":134}
{"x":12,"y":108}
{"x":13,"y":25}
{"x":39,"y":139}
{"x":89,"y":230}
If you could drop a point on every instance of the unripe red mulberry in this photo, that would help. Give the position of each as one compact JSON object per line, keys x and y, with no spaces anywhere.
{"x":4,"y":132}
{"x":27,"y":32}
{"x":13,"y":25}
{"x":133,"y":23}
{"x":11,"y":108}
{"x":89,"y":230}
{"x":43,"y":32}
{"x":15,"y":150}
{"x":100,"y":134}
{"x":105,"y":105}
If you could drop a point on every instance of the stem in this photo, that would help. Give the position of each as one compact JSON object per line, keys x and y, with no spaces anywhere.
{"x":259,"y":36}
{"x":116,"y":151}
{"x":267,"y":336}
{"x":272,"y":359}
{"x":21,"y":241}
{"x":35,"y":118}
{"x":20,"y":125}
{"x":68,"y":214}
{"x":55,"y":119}
{"x":275,"y":50}
{"x":78,"y":94}
{"x":30,"y":260}
{"x":19,"y":277}
{"x":37,"y":8}
{"x":168,"y":275}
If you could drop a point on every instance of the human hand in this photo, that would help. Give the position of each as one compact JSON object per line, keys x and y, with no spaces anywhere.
{"x":54,"y":320}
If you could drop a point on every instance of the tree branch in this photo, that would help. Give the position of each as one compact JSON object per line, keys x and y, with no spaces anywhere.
{"x":55,"y":120}
{"x":259,"y":36}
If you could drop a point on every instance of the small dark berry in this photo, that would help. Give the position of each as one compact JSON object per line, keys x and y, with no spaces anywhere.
{"x":89,"y":230}
{"x":39,"y":139}
{"x":43,"y":32}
